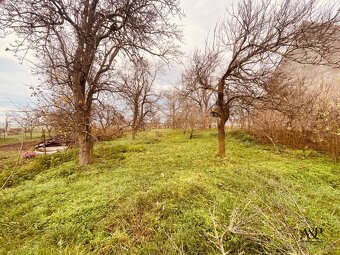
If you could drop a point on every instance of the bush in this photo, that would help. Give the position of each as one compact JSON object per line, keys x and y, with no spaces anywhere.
{"x":243,"y":136}
{"x":53,"y":160}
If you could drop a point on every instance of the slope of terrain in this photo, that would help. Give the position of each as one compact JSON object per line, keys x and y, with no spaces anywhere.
{"x":166,"y":194}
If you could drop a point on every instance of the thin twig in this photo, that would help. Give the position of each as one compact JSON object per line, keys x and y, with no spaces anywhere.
{"x":15,"y":166}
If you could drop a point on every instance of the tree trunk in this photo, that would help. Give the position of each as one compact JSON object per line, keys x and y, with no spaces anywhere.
{"x":85,"y":149}
{"x":49,"y":133}
{"x":224,"y":113}
{"x":221,"y":137}
{"x":336,"y":153}
{"x":134,"y":120}
{"x":191,"y":133}
{"x":44,"y":140}
{"x":134,"y":133}
{"x":85,"y":138}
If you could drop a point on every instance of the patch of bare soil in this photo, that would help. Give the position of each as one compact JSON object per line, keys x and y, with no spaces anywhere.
{"x":16,"y":146}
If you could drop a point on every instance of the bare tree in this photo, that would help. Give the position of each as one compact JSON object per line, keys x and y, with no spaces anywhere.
{"x":299,"y":113}
{"x":180,"y":111}
{"x":196,"y":86}
{"x":172,"y":107}
{"x":26,"y":119}
{"x":108,"y":120}
{"x":44,"y":118}
{"x":77,"y":44}
{"x":190,"y":116}
{"x":6,"y":126}
{"x":250,"y":45}
{"x":136,"y":89}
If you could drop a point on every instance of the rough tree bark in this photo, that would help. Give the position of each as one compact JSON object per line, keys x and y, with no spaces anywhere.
{"x":134,"y":125}
{"x":223,"y":115}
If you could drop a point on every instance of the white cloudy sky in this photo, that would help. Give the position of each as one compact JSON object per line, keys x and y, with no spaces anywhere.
{"x":201,"y":16}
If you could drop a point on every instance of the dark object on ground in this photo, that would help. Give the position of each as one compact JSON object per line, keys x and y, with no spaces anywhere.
{"x":59,"y":140}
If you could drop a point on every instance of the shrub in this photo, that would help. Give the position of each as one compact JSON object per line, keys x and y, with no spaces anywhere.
{"x":242,"y":136}
{"x":53,"y":160}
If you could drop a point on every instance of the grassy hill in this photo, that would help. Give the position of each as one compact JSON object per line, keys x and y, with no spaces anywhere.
{"x":166,"y":194}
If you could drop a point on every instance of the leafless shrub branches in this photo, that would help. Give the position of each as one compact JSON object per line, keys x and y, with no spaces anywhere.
{"x":252,"y":42}
{"x":266,"y":223}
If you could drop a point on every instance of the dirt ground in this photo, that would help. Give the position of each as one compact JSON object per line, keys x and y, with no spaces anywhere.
{"x":16,"y":146}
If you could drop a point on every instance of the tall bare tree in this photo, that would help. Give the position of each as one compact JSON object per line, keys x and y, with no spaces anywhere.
{"x":6,"y":125}
{"x":44,"y":118}
{"x":196,"y":87}
{"x":77,"y":44}
{"x":172,"y":105}
{"x":250,"y":44}
{"x":108,"y":120}
{"x":26,"y":119}
{"x":135,"y":85}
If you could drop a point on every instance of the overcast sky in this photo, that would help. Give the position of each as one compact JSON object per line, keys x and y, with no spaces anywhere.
{"x":15,"y":79}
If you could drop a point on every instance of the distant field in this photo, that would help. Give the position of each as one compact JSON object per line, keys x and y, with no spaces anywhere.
{"x":167,"y":194}
{"x":13,"y":139}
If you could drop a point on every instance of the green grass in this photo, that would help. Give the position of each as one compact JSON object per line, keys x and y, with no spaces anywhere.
{"x":12,"y":139}
{"x":162,"y":194}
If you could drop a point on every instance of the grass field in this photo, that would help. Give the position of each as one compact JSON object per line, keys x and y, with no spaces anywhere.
{"x":12,"y":139}
{"x":166,"y":194}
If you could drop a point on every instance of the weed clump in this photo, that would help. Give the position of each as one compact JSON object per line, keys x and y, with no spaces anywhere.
{"x":117,"y":152}
{"x":47,"y":161}
{"x":136,"y":148}
{"x":243,"y":136}
{"x":152,"y":140}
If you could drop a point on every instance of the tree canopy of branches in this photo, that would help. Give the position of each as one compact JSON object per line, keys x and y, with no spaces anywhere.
{"x":108,"y":120}
{"x":135,"y":86}
{"x":250,"y":44}
{"x":78,"y":43}
{"x":26,"y":119}
{"x":200,"y":97}
{"x":300,"y":113}
{"x":171,"y":107}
